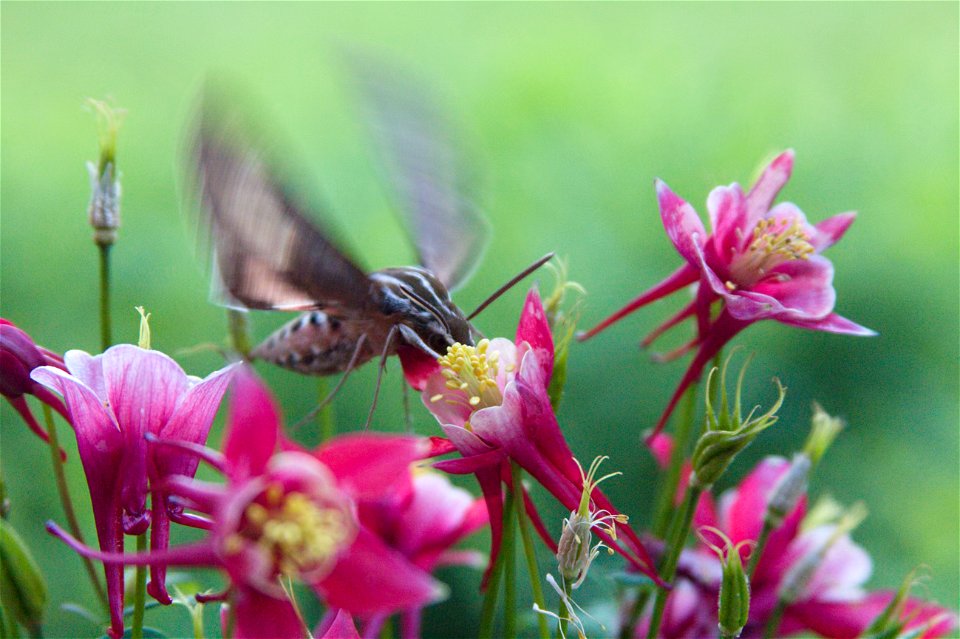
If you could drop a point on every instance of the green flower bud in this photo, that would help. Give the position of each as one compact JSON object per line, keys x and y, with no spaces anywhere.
{"x":733,"y":607}
{"x":104,"y":207}
{"x":727,"y":432}
{"x":23,"y":592}
{"x":563,"y":323}
{"x":574,"y":553}
{"x":823,"y":430}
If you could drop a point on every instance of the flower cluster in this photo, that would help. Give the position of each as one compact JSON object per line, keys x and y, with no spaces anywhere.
{"x":364,"y":520}
{"x":809,"y":566}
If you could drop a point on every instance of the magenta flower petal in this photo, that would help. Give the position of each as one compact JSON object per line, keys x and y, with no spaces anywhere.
{"x":681,"y":222}
{"x":370,"y":577}
{"x":417,"y":365}
{"x":369,"y":465}
{"x":802,"y":289}
{"x":341,"y":626}
{"x":534,"y":330}
{"x":767,"y":187}
{"x":726,"y":206}
{"x":830,"y":230}
{"x":253,"y":426}
{"x":832,"y":323}
{"x":437,"y":516}
{"x":259,"y":616}
{"x":846,"y":620}
{"x":191,"y":421}
{"x":743,"y":508}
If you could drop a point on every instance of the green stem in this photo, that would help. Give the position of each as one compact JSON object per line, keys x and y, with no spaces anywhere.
{"x":758,"y":549}
{"x":239,"y":332}
{"x":325,"y":417}
{"x":528,"y":550}
{"x":563,"y":612}
{"x":197,"y":617}
{"x":509,"y":551}
{"x":140,"y":593}
{"x":106,"y":332}
{"x":668,"y":489}
{"x":773,"y":625}
{"x":678,"y":537}
{"x":67,"y":503}
{"x":665,"y":504}
{"x":493,"y":585}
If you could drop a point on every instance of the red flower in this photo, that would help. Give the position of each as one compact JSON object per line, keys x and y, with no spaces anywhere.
{"x":423,"y":518}
{"x":293,"y":513}
{"x":19,"y":355}
{"x":492,"y":402}
{"x":762,"y":261}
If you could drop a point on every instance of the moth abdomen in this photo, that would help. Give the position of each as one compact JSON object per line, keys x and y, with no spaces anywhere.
{"x":316,"y":344}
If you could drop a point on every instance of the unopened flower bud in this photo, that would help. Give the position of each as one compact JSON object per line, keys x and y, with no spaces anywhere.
{"x":22,"y":589}
{"x":104,"y":207}
{"x":574,"y":553}
{"x":788,"y":490}
{"x":733,"y":606}
{"x":823,"y":430}
{"x":727,"y":432}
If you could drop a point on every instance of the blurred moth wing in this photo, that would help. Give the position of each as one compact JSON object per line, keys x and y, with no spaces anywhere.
{"x":267,"y":254}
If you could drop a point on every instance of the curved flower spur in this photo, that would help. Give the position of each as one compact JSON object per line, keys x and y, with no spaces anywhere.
{"x":761,"y":261}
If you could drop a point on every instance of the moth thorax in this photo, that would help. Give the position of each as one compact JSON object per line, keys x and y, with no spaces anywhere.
{"x":421,"y":305}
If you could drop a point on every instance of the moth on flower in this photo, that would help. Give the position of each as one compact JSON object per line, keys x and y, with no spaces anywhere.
{"x":268,"y":254}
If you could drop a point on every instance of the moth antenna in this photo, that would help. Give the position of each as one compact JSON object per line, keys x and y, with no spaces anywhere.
{"x":382,"y":368}
{"x":336,"y":389}
{"x":513,"y":282}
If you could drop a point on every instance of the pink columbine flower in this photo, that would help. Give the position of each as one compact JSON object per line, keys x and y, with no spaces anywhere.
{"x":115,"y":400}
{"x":19,"y":355}
{"x":830,"y":600}
{"x":492,"y":403}
{"x":423,"y":518}
{"x":292,"y":513}
{"x":761,"y":261}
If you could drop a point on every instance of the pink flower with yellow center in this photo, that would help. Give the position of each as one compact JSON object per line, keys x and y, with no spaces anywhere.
{"x":761,"y":261}
{"x":291,"y":513}
{"x":492,"y":403}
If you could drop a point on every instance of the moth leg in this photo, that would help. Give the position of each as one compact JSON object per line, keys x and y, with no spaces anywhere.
{"x":336,"y":389}
{"x":383,"y":366}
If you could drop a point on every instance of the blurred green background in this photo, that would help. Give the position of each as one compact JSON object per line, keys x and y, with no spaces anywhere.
{"x":571,"y":111}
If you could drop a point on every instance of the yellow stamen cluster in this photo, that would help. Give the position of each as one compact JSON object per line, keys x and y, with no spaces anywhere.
{"x":774,"y":241}
{"x":299,"y":534}
{"x":473,"y":370}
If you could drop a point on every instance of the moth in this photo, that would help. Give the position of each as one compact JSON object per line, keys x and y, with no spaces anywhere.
{"x":269,"y":254}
